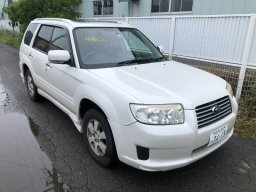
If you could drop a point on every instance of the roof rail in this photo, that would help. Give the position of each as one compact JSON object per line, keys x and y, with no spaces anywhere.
{"x":70,"y":22}
{"x":97,"y":20}
{"x":48,"y":18}
{"x":54,"y":19}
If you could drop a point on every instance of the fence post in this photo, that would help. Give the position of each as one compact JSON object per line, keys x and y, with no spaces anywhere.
{"x":246,"y":54}
{"x":172,"y":36}
{"x":127,"y":19}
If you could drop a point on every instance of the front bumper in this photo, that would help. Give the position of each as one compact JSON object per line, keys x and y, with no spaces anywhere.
{"x":170,"y":146}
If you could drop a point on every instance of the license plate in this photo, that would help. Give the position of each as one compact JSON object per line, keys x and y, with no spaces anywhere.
{"x":218,"y":135}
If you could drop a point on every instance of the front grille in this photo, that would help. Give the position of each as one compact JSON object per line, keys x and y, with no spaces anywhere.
{"x":213,"y":111}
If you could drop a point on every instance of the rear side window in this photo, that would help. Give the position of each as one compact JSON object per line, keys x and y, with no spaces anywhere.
{"x":30,"y":32}
{"x":43,"y":38}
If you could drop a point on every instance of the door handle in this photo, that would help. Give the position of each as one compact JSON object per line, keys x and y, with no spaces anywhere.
{"x":30,"y":55}
{"x":48,"y":65}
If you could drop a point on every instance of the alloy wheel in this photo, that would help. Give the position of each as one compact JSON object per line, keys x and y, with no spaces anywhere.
{"x":30,"y":86}
{"x":97,"y":138}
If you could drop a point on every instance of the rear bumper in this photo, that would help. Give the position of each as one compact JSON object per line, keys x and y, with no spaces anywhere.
{"x":171,"y":146}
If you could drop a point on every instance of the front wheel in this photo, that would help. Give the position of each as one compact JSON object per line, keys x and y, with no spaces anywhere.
{"x":31,"y":87}
{"x":98,"y":138}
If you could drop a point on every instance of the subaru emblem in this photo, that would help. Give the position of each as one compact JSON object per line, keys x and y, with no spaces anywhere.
{"x":216,"y":109}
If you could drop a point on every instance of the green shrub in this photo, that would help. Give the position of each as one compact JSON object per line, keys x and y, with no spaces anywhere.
{"x":246,"y":119}
{"x":249,"y":102}
{"x":10,"y":38}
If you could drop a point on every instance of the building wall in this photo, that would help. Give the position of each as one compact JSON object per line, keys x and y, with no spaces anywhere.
{"x":124,"y":8}
{"x":215,"y":7}
{"x":121,"y":9}
{"x":145,"y":7}
{"x":2,"y":5}
{"x":86,"y":9}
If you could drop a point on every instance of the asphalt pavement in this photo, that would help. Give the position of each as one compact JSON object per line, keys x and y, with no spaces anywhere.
{"x":50,"y":135}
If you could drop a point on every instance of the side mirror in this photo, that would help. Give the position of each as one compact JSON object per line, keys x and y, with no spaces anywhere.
{"x":58,"y":56}
{"x":160,"y":48}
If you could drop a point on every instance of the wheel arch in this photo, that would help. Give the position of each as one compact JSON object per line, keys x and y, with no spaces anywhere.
{"x":86,"y":104}
{"x":25,"y":68}
{"x":111,"y":103}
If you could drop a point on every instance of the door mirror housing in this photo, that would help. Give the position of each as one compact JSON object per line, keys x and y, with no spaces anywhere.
{"x":160,"y":48}
{"x":58,"y":56}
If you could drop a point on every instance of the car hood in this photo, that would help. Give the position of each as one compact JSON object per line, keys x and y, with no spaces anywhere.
{"x":165,"y":82}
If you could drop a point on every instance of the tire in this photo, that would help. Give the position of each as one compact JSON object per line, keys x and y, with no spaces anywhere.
{"x":31,"y":87}
{"x":98,"y":138}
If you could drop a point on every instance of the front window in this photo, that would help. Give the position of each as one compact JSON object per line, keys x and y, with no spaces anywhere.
{"x":113,"y":47}
{"x":60,"y":40}
{"x":103,"y":7}
{"x":43,"y":38}
{"x":170,"y":6}
{"x":52,"y":38}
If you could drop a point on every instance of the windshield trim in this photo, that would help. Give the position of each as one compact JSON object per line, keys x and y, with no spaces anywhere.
{"x":109,"y":65}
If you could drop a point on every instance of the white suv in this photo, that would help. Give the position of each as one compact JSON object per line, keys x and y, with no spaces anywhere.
{"x":128,"y":101}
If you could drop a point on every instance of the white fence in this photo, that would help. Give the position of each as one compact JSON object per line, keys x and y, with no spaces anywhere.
{"x":213,"y":38}
{"x":223,"y":39}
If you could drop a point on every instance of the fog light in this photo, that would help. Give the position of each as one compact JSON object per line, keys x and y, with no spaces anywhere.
{"x":142,"y":152}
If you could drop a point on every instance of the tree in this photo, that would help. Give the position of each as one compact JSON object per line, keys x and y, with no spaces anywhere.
{"x":27,"y":10}
{"x":61,"y":8}
{"x":13,"y":15}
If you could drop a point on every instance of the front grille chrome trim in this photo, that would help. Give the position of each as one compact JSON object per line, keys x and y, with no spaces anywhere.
{"x":226,"y":108}
{"x":212,"y":104}
{"x":206,"y":115}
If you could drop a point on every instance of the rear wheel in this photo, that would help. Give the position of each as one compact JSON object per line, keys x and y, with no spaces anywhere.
{"x":98,"y":138}
{"x":31,"y":87}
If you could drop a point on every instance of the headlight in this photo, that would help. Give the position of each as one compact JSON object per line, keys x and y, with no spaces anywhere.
{"x":158,"y":114}
{"x":229,"y":89}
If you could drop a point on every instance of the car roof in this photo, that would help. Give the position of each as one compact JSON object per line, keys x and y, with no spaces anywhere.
{"x":81,"y":22}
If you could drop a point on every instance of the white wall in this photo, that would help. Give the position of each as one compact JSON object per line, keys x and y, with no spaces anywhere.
{"x":4,"y":25}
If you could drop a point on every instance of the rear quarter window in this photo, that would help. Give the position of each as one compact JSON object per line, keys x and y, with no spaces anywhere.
{"x":30,"y":32}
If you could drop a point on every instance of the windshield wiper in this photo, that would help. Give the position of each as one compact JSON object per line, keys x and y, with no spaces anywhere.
{"x":137,"y":61}
{"x":160,"y":59}
{"x":151,"y":59}
{"x":128,"y":62}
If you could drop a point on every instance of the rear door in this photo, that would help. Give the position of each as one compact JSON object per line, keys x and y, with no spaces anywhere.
{"x":39,"y":55}
{"x":26,"y":48}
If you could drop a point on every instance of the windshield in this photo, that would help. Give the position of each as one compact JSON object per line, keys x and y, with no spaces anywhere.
{"x":111,"y":47}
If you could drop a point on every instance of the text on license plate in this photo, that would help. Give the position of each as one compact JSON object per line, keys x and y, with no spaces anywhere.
{"x":218,"y":134}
